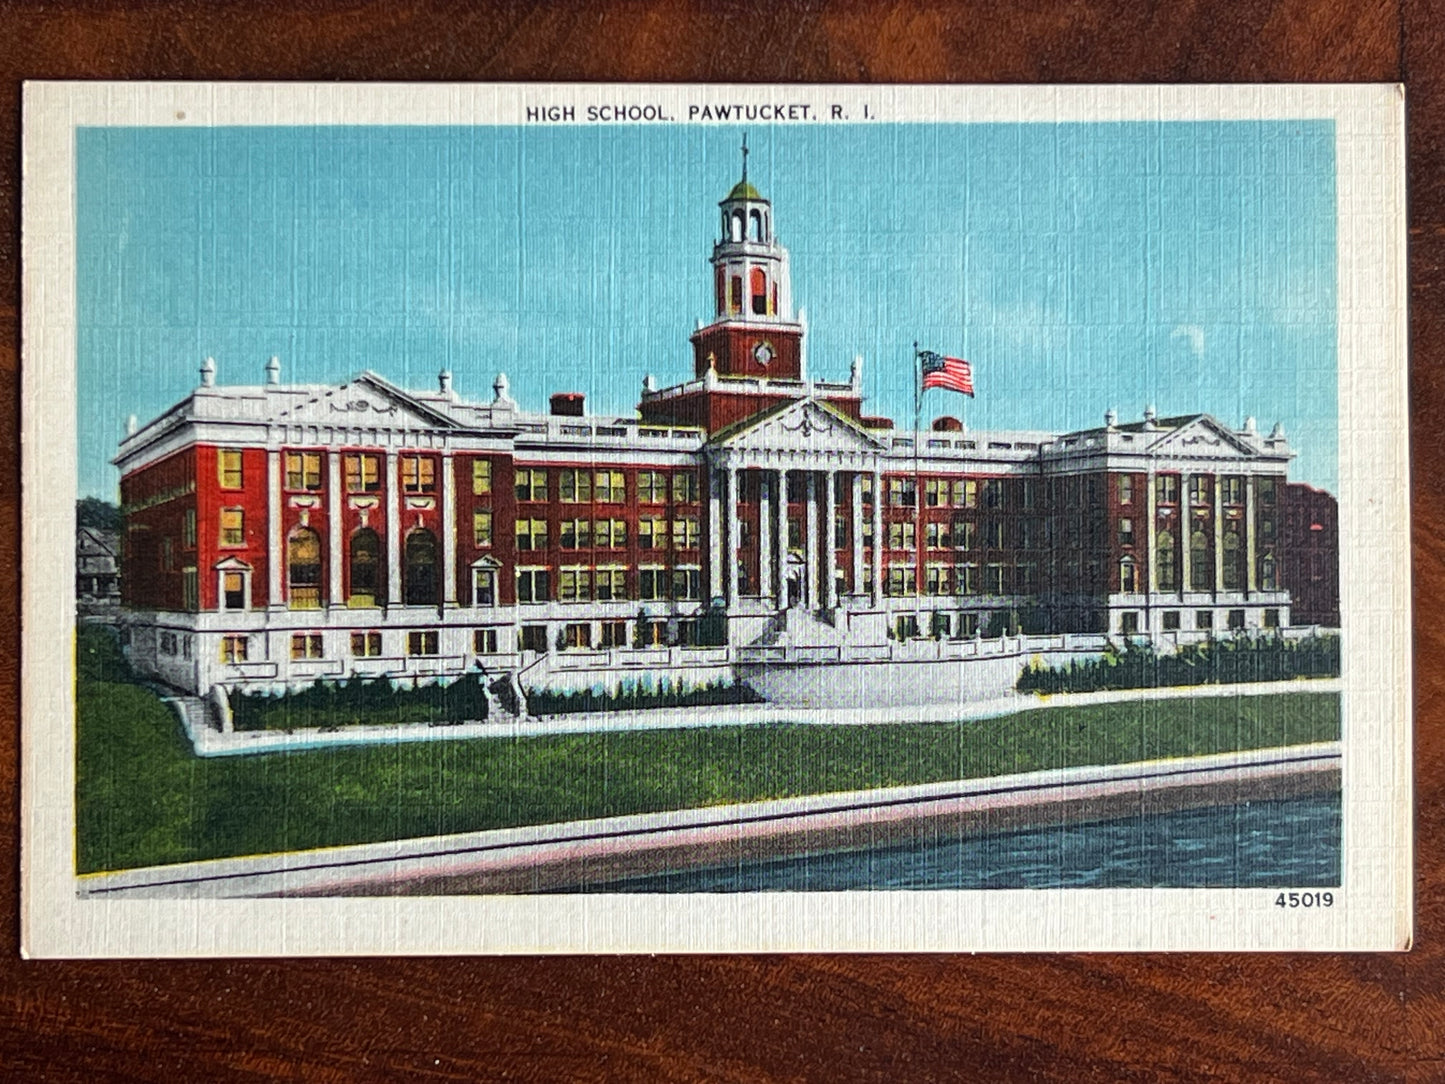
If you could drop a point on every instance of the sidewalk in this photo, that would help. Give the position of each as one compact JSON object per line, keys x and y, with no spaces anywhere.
{"x":211,"y":743}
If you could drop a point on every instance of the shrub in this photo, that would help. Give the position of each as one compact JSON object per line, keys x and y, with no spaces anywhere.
{"x":633,"y":696}
{"x":359,"y":702}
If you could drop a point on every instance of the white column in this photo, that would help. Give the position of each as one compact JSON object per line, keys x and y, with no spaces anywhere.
{"x":734,"y":535}
{"x":448,"y":520}
{"x":1151,"y":545}
{"x":1251,"y":583}
{"x":855,"y":531}
{"x":714,"y":535}
{"x":765,"y":548}
{"x":334,"y":549}
{"x":1185,"y":532}
{"x":393,"y":531}
{"x":782,"y":535}
{"x":810,"y":546}
{"x":878,"y":539}
{"x":830,"y":539}
{"x":275,"y":545}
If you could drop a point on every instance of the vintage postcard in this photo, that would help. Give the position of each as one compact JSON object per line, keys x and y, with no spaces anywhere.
{"x":695,"y":518}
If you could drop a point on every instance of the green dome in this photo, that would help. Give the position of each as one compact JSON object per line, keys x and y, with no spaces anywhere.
{"x":744,"y":190}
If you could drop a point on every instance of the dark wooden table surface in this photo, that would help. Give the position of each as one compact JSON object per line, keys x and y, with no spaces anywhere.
{"x":1291,"y":1018}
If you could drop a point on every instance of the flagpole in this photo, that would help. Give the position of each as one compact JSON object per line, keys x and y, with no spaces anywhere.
{"x":917,"y":490}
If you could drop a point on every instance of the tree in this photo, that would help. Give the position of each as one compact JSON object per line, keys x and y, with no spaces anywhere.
{"x":97,"y":514}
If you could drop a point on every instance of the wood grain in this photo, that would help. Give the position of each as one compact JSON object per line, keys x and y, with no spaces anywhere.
{"x":1001,"y":1018}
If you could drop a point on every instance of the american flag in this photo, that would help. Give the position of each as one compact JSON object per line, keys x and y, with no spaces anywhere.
{"x":942,"y":372}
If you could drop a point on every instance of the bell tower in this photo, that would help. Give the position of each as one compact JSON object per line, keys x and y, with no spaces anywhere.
{"x":754,"y":333}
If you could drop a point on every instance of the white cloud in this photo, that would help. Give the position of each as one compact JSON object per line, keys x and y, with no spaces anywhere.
{"x":1194,"y":334}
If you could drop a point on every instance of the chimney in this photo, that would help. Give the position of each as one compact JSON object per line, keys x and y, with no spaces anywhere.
{"x":208,"y":373}
{"x":1149,"y":415}
{"x":569,"y":404}
{"x":273,"y":370}
{"x":1111,"y":418}
{"x":444,"y":382}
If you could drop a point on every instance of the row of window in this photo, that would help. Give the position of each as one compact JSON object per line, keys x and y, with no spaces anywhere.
{"x":967,"y":579}
{"x":956,"y":493}
{"x":958,"y":535}
{"x":1234,"y":620}
{"x":580,"y":534}
{"x":579,"y":584}
{"x":1231,"y":489}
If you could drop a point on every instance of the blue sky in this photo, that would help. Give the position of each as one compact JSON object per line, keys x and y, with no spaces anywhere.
{"x":1078,"y":266}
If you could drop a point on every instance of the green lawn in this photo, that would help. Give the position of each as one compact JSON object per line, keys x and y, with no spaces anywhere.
{"x":144,"y":799}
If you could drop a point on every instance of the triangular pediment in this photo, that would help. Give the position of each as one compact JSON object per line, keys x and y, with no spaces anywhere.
{"x":1202,"y":436}
{"x":806,"y":425}
{"x":364,"y":400}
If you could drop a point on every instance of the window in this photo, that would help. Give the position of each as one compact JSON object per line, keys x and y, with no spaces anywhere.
{"x":168,"y":643}
{"x":1233,"y":550}
{"x":531,"y":484}
{"x":303,"y":569}
{"x":937,"y":580}
{"x":188,"y":529}
{"x":687,"y":633}
{"x":1203,"y":620}
{"x":993,"y":493}
{"x":867,"y":488}
{"x":902,"y":493}
{"x":1266,"y":528}
{"x":168,"y":557}
{"x":1026,"y":579}
{"x":651,"y":584}
{"x":190,"y":589}
{"x":759,"y":283}
{"x":610,"y":534}
{"x":418,"y":474}
{"x":1166,"y":489}
{"x":1171,"y":620}
{"x":1268,"y":578}
{"x":532,"y":585}
{"x":481,"y":477}
{"x":422,"y":643}
{"x":965,"y":579}
{"x":686,"y":583}
{"x":1128,"y":576}
{"x":484,"y":587}
{"x":1232,"y":489}
{"x":421,"y":581}
{"x":965,"y":534}
{"x":993,"y":534}
{"x":234,"y":648}
{"x":901,"y":536}
{"x":1125,"y":485}
{"x":936,"y":536}
{"x":303,"y":470}
{"x":365,"y":568}
{"x":684,"y":533}
{"x":233,"y":591}
{"x":577,"y":636}
{"x":574,"y":486}
{"x":531,"y":534}
{"x":1199,"y":491}
{"x":795,"y":535}
{"x":1166,"y":564}
{"x":306,"y":645}
{"x":228,"y":468}
{"x":1129,"y":622}
{"x":965,"y":494}
{"x":1236,"y":619}
{"x":482,"y":529}
{"x":936,"y":492}
{"x":1028,"y":492}
{"x":574,"y":585}
{"x":735,"y":284}
{"x":906,"y":627}
{"x":610,"y":486}
{"x":1126,"y":532}
{"x":652,"y":534}
{"x":233,"y":527}
{"x":993,"y":580}
{"x":684,"y":487}
{"x":614,"y":634}
{"x":651,"y":487}
{"x":362,"y":471}
{"x":610,"y":584}
{"x":366,"y":644}
{"x":901,"y":580}
{"x":1201,"y":561}
{"x":575,"y":534}
{"x":1271,"y":619}
{"x":967,"y":625}
{"x":484,"y":642}
{"x":1264,"y":490}
{"x":1028,"y":534}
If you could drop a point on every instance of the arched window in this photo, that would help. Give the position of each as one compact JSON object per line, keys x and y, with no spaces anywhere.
{"x":721,"y":280}
{"x":1165,"y":564}
{"x":1201,"y":561}
{"x":1128,"y":576}
{"x":735,"y":294}
{"x":1268,"y":578}
{"x":365,"y":568}
{"x":421,"y":568}
{"x":759,"y":291}
{"x":303,"y":569}
{"x":737,"y":233}
{"x":755,"y":219}
{"x":1233,"y":578}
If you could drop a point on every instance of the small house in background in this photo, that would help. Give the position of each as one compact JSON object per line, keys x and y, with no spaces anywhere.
{"x":97,"y":566}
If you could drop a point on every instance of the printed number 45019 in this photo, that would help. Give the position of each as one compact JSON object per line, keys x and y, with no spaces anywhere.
{"x":1305,"y":899}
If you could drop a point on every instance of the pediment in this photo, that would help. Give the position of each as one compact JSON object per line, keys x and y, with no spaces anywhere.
{"x":364,"y":400}
{"x":231,"y":564}
{"x":806,"y":425}
{"x":1204,"y":437}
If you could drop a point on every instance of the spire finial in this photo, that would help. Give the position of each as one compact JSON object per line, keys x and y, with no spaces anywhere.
{"x":745,"y":155}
